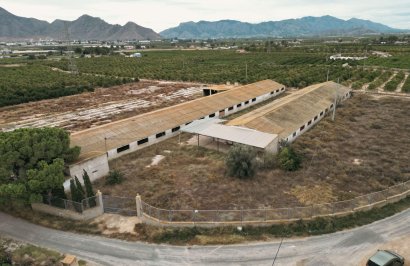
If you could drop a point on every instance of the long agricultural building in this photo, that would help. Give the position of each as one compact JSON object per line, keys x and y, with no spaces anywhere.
{"x":292,"y":115}
{"x":109,"y":141}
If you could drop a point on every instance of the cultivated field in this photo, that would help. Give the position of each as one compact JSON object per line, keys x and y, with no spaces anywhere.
{"x":365,"y":149}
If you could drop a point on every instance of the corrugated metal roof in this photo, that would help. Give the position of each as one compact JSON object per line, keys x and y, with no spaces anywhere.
{"x":284,"y":116}
{"x":120,"y":133}
{"x":242,"y":135}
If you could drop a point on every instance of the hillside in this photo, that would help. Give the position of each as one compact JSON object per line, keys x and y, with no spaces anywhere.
{"x":86,"y":27}
{"x":303,"y":27}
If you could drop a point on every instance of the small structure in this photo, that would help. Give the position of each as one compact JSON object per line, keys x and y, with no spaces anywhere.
{"x":69,"y":260}
{"x":340,"y":57}
{"x":228,"y":135}
{"x":136,"y":55}
{"x":219,"y":88}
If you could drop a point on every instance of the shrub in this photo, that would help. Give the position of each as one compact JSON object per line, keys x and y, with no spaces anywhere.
{"x":36,"y":198}
{"x":288,"y":159}
{"x":241,"y":162}
{"x":114,"y":177}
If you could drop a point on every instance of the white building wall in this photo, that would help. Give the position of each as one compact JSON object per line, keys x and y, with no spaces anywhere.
{"x":96,"y":168}
{"x":299,"y":132}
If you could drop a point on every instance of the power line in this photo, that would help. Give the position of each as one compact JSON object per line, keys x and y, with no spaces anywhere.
{"x":277,"y":252}
{"x":72,"y":67}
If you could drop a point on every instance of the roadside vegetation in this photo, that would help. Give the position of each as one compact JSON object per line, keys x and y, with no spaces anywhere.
{"x":13,"y":252}
{"x":214,"y":235}
{"x":231,"y":235}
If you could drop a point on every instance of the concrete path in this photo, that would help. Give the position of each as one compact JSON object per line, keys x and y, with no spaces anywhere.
{"x":343,"y":248}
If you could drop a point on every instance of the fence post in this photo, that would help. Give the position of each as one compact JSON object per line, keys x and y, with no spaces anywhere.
{"x":99,"y":199}
{"x":138,"y":205}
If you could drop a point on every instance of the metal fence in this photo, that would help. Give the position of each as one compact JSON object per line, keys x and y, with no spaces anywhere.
{"x":119,"y":205}
{"x":389,"y":195}
{"x":66,"y":204}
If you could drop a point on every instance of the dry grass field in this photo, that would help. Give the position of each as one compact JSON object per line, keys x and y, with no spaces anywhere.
{"x":366,"y":149}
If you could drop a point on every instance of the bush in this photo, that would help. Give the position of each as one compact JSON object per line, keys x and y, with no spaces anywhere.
{"x":241,"y":162}
{"x":114,"y":177}
{"x":288,"y":159}
{"x":36,"y":198}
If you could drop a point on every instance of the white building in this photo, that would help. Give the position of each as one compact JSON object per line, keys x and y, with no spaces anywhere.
{"x":293,"y":115}
{"x":103,"y":143}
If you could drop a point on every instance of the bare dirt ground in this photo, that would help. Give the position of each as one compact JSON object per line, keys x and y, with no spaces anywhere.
{"x":116,"y":224}
{"x":365,"y":149}
{"x":105,"y":105}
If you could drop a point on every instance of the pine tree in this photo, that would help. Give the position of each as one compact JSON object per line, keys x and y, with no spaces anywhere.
{"x":89,"y":189}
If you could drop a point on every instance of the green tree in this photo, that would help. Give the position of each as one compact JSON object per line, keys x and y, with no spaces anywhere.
{"x":76,"y":196}
{"x":59,"y":192}
{"x":46,"y":178}
{"x":241,"y":162}
{"x":73,"y":190}
{"x":288,"y":159}
{"x":89,"y":189}
{"x":79,"y":188}
{"x":24,"y":149}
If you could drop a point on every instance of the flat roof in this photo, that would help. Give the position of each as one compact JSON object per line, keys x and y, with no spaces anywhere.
{"x":235,"y":134}
{"x":97,"y":140}
{"x":284,"y":116}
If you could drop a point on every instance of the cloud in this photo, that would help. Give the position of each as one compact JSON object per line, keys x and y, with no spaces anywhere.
{"x":162,"y":14}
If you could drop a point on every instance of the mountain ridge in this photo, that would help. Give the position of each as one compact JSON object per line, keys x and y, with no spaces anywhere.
{"x":86,"y":27}
{"x":308,"y":26}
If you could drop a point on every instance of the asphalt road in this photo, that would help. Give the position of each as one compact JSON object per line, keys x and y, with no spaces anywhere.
{"x":342,"y":248}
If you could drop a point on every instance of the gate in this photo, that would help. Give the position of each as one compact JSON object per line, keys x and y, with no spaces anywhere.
{"x":120,"y":205}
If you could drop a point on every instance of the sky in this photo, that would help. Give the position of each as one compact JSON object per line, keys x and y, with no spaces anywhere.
{"x":162,"y":14}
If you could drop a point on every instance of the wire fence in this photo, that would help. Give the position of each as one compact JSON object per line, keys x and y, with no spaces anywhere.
{"x":119,"y":205}
{"x":66,"y":204}
{"x":389,"y":195}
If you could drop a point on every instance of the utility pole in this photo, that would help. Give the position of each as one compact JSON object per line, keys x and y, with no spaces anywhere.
{"x":72,"y":67}
{"x":334,"y":108}
{"x":327,"y":78}
{"x":246,"y":69}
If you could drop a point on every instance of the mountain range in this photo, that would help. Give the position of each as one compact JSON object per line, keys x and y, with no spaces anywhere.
{"x":86,"y":27}
{"x":303,"y":27}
